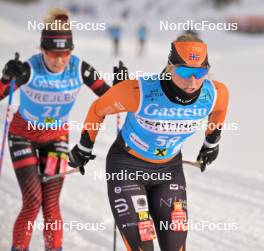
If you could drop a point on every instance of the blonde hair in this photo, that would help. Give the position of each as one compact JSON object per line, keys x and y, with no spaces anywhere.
{"x":188,"y":38}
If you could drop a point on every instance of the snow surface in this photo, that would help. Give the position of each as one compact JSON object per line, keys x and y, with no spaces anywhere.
{"x":230,"y":191}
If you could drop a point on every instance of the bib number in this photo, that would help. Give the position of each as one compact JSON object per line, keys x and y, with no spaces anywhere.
{"x":51,"y":111}
{"x":166,"y":141}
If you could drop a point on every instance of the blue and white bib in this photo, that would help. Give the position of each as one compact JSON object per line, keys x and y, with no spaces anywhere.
{"x":159,"y":127}
{"x":48,"y":97}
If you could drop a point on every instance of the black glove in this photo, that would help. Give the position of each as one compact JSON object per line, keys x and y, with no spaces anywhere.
{"x":14,"y":69}
{"x":120,"y":73}
{"x":207,"y":156}
{"x":79,"y":158}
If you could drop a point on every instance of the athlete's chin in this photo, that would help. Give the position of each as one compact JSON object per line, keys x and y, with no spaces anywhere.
{"x":189,"y":90}
{"x":57,"y":69}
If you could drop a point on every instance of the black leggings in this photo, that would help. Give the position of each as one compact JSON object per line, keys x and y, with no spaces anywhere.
{"x":160,"y":194}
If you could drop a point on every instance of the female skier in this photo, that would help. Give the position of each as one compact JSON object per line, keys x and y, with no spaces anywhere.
{"x":49,"y":83}
{"x":161,"y":114}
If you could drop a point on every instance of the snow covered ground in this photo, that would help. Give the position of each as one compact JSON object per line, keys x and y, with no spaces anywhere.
{"x":230,"y":191}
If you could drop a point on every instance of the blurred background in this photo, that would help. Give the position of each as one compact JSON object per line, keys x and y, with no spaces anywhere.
{"x":231,"y":190}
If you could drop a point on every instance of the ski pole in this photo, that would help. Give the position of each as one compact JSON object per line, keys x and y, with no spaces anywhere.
{"x":60,"y":175}
{"x":114,"y":242}
{"x":118,"y":122}
{"x":63,"y":174}
{"x":198,"y":164}
{"x":7,"y":117}
{"x":76,"y":170}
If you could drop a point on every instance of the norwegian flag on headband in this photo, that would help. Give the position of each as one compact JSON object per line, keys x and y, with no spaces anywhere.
{"x":194,"y":56}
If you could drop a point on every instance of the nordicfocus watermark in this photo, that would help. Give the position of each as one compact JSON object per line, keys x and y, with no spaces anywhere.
{"x":107,"y":76}
{"x":197,"y":26}
{"x":187,"y":126}
{"x":137,"y":175}
{"x":59,"y":125}
{"x":198,"y":226}
{"x":71,"y":25}
{"x":66,"y":226}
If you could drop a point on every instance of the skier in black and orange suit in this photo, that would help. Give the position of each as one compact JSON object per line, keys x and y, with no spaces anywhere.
{"x":161,"y":115}
{"x":49,"y":83}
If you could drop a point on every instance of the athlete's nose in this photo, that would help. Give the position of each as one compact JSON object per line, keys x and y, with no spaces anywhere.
{"x":59,"y":60}
{"x":191,"y":81}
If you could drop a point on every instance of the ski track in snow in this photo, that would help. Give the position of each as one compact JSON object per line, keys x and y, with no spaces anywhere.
{"x":230,"y":191}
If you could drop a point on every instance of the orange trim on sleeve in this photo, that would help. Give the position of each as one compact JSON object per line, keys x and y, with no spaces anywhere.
{"x":218,"y":114}
{"x":123,"y":97}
